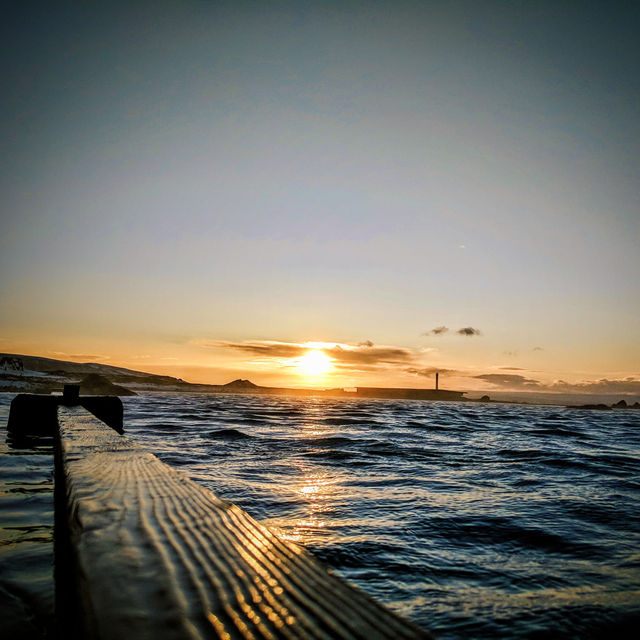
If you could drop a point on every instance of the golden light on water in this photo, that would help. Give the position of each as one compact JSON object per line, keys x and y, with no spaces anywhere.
{"x":314,"y":363}
{"x":314,"y":521}
{"x":314,"y":493}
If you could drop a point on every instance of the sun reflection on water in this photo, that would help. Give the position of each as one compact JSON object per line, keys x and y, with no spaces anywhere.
{"x":315,"y":488}
{"x":314,"y":493}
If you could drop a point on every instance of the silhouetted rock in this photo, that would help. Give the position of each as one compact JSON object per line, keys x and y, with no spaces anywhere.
{"x":240,"y":384}
{"x":620,"y":405}
{"x":96,"y":385}
{"x":14,"y":364}
{"x":635,"y":405}
{"x":485,"y":399}
{"x":598,"y":407}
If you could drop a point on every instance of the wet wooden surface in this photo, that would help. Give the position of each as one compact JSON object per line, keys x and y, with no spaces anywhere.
{"x":155,"y":555}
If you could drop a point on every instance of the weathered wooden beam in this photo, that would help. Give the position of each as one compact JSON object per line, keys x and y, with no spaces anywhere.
{"x":155,"y":555}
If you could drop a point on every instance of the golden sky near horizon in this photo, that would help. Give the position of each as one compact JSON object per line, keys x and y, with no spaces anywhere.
{"x":212,"y":191}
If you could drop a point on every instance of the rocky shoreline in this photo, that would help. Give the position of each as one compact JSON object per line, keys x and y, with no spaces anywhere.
{"x":622,"y":404}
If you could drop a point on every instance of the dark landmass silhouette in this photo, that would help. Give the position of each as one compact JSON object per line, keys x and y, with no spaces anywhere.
{"x":622,"y":404}
{"x":596,"y":407}
{"x":33,"y":374}
{"x":240,"y":384}
{"x":96,"y":385}
{"x":46,"y":375}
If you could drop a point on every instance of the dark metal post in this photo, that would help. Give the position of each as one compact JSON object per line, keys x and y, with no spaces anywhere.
{"x":70,"y":394}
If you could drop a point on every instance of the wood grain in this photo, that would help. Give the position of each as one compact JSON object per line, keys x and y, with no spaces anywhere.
{"x":156,"y":555}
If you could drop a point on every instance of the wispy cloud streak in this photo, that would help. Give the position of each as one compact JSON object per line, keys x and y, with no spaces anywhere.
{"x":429,"y":372}
{"x":520,"y":382}
{"x":437,"y":331}
{"x":511,"y":381}
{"x":365,"y":353}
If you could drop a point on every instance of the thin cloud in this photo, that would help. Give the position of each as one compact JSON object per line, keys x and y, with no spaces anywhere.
{"x":468,"y":331}
{"x":629,"y":385}
{"x":511,"y":369}
{"x":266,"y":348}
{"x":604,"y":385}
{"x":362,"y":367}
{"x":428,"y":372}
{"x":538,"y":349}
{"x":437,"y":331}
{"x":510,"y":381}
{"x":362,"y":354}
{"x":79,"y":356}
{"x":369,"y":355}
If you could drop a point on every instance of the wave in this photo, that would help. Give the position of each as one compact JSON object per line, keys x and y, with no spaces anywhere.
{"x":229,"y":434}
{"x":330,"y":441}
{"x":426,"y":426}
{"x":495,"y":531}
{"x":555,"y":431}
{"x":166,"y":426}
{"x":334,"y":455}
{"x":346,"y":421}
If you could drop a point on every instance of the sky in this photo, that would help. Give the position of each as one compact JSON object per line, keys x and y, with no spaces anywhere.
{"x":213,"y":189}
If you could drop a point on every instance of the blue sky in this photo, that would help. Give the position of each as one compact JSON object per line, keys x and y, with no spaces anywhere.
{"x":182,"y":174}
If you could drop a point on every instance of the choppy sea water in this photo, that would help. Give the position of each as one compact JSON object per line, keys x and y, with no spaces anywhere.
{"x":474,"y":521}
{"x":26,"y":534}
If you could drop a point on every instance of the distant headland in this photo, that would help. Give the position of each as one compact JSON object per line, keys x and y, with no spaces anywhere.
{"x":33,"y":374}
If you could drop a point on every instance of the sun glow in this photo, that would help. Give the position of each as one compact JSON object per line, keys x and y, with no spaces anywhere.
{"x":314,"y":363}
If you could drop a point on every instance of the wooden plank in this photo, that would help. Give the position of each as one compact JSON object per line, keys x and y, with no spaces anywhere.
{"x":155,"y":555}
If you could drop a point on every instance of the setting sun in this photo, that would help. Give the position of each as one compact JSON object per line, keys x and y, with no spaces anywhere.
{"x":315,"y":363}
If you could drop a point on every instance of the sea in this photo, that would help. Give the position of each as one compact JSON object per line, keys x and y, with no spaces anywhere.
{"x":472,"y":520}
